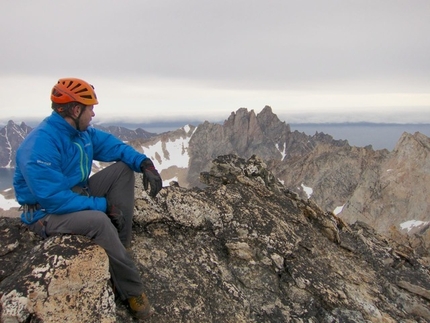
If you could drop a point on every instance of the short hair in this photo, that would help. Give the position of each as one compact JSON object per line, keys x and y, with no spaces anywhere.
{"x":64,"y":109}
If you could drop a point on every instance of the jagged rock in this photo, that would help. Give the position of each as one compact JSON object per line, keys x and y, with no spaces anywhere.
{"x":126,"y":134}
{"x":332,"y":168}
{"x":244,"y":134}
{"x":64,"y":278}
{"x":240,"y":251}
{"x":397,"y":190}
{"x":11,"y":137}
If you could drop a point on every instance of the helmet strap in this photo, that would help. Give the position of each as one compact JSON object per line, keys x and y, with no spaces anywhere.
{"x":76,"y":120}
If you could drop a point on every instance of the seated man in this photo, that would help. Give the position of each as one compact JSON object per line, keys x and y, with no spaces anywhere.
{"x":53,"y":186}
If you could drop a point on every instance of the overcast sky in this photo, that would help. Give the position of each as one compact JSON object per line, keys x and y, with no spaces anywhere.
{"x":311,"y":61}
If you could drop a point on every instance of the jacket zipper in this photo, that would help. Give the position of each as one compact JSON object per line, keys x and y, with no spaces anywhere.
{"x":83,"y":165}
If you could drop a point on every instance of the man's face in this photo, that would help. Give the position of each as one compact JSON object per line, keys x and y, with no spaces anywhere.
{"x":86,"y":117}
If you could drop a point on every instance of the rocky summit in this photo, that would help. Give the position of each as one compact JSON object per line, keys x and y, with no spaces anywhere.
{"x":242,"y":249}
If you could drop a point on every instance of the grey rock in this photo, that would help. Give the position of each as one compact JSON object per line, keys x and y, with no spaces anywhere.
{"x":65,"y":278}
{"x":397,"y":190}
{"x":11,"y":137}
{"x":243,"y":249}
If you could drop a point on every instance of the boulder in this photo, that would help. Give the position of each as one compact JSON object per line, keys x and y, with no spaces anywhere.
{"x":62,"y":279}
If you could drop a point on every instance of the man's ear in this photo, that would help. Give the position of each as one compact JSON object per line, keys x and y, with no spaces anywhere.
{"x":76,"y":110}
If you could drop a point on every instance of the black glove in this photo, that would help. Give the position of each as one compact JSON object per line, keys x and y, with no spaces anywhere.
{"x":116,"y":216}
{"x":151,"y":176}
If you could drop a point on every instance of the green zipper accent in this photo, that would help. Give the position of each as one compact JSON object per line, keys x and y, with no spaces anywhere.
{"x":82,"y":166}
{"x":86,"y":166}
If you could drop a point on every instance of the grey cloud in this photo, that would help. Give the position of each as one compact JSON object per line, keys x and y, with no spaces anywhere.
{"x":267,"y":44}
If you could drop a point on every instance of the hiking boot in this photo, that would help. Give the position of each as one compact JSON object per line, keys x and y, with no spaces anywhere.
{"x":139,"y":306}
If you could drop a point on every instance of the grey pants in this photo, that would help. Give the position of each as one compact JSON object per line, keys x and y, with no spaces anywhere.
{"x":116,"y":182}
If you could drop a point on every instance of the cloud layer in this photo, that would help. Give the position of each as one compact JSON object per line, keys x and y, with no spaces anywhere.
{"x":199,"y":58}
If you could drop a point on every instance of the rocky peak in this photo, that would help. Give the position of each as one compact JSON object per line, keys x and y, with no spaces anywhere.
{"x":244,"y":249}
{"x":244,"y":134}
{"x":126,"y":134}
{"x":397,"y":190}
{"x":242,"y":130}
{"x":416,"y":146}
{"x":11,"y":137}
{"x":271,"y":123}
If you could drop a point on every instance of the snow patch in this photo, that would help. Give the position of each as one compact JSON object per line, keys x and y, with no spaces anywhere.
{"x":409,"y":225}
{"x":187,"y":128}
{"x":7,"y":204}
{"x":166,"y":182}
{"x":283,"y":151}
{"x":308,"y":190}
{"x":168,"y":154}
{"x":338,"y":209}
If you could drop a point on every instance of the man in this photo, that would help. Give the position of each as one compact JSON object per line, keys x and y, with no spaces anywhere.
{"x":53,"y":186}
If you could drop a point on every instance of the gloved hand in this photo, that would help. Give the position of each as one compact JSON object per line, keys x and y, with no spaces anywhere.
{"x":115,"y":215}
{"x":151,"y":176}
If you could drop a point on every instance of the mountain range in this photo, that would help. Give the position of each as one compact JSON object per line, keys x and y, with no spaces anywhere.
{"x":382,"y":188}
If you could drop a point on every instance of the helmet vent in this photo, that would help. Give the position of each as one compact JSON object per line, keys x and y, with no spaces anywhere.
{"x":73,"y":89}
{"x":82,"y":90}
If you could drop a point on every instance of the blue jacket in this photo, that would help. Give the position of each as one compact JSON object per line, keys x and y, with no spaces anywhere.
{"x":55,"y":157}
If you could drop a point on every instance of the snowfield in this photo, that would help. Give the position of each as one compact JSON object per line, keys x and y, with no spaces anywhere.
{"x":7,"y":204}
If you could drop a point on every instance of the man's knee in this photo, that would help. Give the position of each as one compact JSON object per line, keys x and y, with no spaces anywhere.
{"x":98,"y":219}
{"x":124,"y":168}
{"x":125,"y":172}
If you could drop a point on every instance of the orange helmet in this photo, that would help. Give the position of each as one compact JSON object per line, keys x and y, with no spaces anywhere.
{"x":73,"y":90}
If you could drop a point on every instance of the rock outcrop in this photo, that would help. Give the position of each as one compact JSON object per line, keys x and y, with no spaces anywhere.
{"x":243,"y":249}
{"x":11,"y":137}
{"x":332,"y":168}
{"x":332,"y":172}
{"x":64,"y":278}
{"x":126,"y":134}
{"x":397,"y":190}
